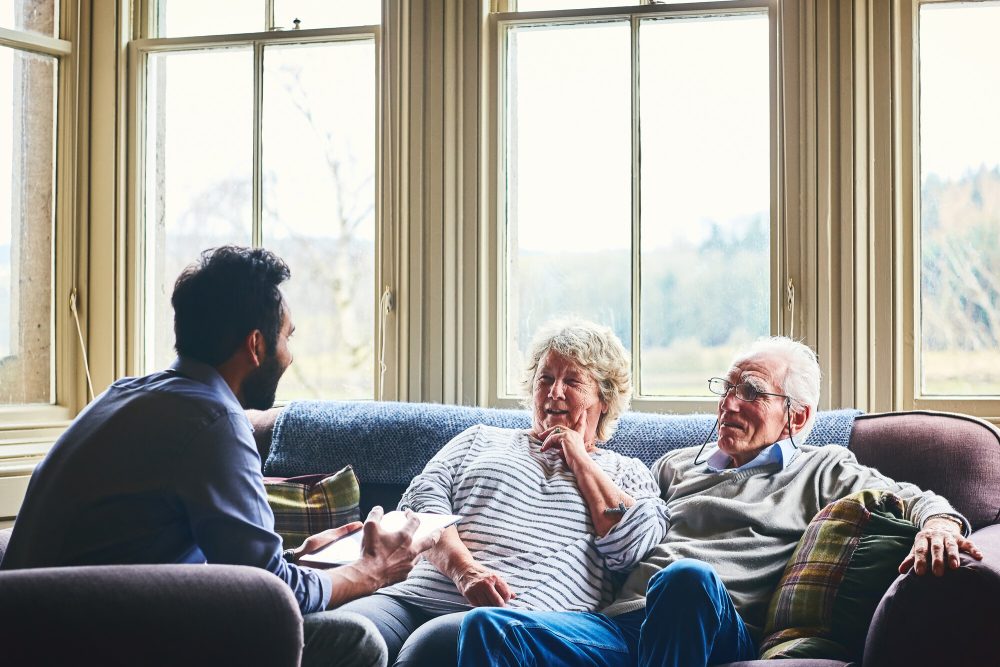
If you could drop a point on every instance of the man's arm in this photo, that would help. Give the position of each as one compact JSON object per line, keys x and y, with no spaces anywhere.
{"x":937,"y":545}
{"x":220,"y":485}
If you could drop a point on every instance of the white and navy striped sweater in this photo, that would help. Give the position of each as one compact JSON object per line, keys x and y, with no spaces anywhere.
{"x":525,"y":519}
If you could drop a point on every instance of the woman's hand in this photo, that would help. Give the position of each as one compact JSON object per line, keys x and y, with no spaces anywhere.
{"x":568,"y":442}
{"x":483,"y":588}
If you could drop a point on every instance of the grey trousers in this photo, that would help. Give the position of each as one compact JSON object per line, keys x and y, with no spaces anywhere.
{"x":413,"y":637}
{"x":341,"y":639}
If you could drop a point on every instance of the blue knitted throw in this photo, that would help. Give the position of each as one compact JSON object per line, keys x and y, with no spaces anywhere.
{"x":389,"y":443}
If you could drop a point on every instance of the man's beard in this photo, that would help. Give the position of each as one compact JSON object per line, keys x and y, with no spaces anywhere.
{"x":260,"y":387}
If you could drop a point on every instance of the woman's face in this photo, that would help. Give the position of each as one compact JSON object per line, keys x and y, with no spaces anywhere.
{"x":566,"y":394}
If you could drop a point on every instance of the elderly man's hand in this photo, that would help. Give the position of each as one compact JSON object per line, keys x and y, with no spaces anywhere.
{"x":483,"y":588}
{"x":936,"y":547}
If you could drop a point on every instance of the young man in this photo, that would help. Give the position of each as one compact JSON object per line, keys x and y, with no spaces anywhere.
{"x":164,"y":469}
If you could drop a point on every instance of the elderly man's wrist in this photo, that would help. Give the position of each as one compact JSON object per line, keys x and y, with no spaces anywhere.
{"x":948,"y":518}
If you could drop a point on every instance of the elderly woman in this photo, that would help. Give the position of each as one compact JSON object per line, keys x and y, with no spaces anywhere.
{"x":549,"y":517}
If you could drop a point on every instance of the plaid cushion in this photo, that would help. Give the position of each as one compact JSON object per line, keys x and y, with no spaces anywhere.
{"x":309,"y":504}
{"x":843,"y":564}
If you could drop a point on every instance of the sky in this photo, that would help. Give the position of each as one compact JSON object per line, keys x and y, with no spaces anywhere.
{"x":959,"y":88}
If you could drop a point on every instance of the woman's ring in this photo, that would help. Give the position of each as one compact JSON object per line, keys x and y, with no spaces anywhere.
{"x":558,"y":429}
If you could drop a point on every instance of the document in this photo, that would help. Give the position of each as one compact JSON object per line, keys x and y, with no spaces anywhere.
{"x":348,"y":548}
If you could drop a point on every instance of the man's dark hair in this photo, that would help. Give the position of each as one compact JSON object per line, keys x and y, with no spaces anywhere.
{"x":221,"y":298}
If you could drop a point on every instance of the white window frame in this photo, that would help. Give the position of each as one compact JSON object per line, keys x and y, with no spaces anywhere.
{"x":36,"y":423}
{"x":782,"y":312}
{"x":138,"y":52}
{"x":27,"y":431}
{"x":906,"y":208}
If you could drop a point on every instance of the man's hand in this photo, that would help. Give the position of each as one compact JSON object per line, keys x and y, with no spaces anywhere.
{"x":387,"y":557}
{"x":940,"y":543}
{"x":483,"y":588}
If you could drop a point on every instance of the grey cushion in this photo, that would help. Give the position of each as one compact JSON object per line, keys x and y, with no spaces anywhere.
{"x":389,"y":443}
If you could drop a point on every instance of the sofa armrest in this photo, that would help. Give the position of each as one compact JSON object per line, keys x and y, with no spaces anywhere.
{"x":262,"y":422}
{"x":949,"y":620}
{"x":149,"y":615}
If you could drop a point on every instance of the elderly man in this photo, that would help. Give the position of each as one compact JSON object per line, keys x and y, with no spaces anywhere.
{"x":736,"y":513}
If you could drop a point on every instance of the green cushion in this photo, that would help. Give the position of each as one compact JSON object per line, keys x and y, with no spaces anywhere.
{"x":843,"y":564}
{"x":309,"y":504}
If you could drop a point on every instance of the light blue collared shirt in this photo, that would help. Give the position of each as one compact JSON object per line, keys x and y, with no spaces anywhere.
{"x":782,"y":453}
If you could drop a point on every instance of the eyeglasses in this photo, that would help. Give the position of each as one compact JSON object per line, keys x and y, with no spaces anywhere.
{"x":744,"y":390}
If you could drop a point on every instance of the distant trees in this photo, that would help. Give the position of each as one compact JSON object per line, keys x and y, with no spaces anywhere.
{"x":960,"y":262}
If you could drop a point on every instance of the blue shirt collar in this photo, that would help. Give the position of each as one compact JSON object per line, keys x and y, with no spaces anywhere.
{"x":782,"y":453}
{"x":207,"y":375}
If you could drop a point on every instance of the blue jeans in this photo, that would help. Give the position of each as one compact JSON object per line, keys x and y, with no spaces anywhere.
{"x":689,"y":621}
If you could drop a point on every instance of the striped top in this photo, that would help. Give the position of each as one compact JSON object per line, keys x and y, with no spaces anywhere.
{"x":524,"y":518}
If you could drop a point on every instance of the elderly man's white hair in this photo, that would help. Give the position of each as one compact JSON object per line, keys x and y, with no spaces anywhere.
{"x":802,"y":379}
{"x":597,"y":349}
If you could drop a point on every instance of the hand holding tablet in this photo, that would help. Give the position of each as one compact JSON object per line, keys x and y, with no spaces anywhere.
{"x":348,"y":548}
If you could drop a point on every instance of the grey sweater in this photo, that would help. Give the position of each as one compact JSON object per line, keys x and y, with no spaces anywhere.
{"x":746,"y":524}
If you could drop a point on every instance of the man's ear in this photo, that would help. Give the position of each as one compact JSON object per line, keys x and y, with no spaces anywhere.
{"x":255,"y":347}
{"x":800,"y":417}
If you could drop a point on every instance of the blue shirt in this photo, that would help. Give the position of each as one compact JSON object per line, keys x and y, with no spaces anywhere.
{"x":158,"y":469}
{"x":781,"y":452}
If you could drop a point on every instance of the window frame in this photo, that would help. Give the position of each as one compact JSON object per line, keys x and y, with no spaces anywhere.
{"x":782,"y":313}
{"x":28,"y":424}
{"x":906,"y":128}
{"x":138,"y":52}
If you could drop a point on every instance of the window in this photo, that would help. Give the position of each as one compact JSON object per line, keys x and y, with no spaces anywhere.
{"x":959,"y":200}
{"x":635,"y":180}
{"x":29,"y":83}
{"x":265,"y":139}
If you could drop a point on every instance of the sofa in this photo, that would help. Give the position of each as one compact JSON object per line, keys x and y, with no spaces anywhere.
{"x":172,"y":614}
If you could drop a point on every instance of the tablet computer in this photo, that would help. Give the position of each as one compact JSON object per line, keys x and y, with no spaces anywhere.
{"x":348,"y":548}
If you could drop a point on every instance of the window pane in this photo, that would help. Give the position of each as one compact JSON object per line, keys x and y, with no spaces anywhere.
{"x":568,"y":184}
{"x":327,"y":14}
{"x":199,"y":167}
{"x":183,"y":18}
{"x":319,"y":210}
{"x":960,"y":199}
{"x":551,"y":5}
{"x":27,"y":172}
{"x":705,"y":197}
{"x":38,"y":16}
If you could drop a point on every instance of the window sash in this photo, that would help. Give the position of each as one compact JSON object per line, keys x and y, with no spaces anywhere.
{"x":139,"y":51}
{"x":496,"y":238}
{"x":906,"y":174}
{"x":24,"y":422}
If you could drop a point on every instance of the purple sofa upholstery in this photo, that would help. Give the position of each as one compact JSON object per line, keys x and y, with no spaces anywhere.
{"x":165,"y":615}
